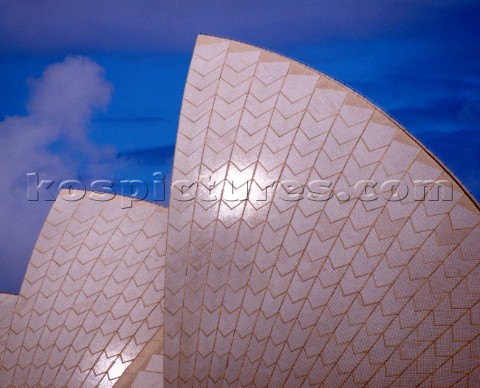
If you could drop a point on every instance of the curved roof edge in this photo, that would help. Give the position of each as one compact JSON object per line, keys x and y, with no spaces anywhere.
{"x":92,"y":296}
{"x":250,"y":278}
{"x":361,"y":95}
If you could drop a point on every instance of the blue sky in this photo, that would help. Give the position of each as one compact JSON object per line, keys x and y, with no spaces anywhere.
{"x":123,"y":65}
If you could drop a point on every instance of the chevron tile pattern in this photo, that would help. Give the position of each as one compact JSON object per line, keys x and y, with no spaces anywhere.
{"x":305,"y":245}
{"x":147,"y":368}
{"x":270,"y":284}
{"x":7,"y":305}
{"x":92,"y":297}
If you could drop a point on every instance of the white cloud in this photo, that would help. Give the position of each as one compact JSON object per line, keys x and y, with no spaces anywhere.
{"x":51,"y":140}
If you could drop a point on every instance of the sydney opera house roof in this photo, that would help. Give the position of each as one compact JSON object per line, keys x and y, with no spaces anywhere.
{"x":310,"y":240}
{"x":92,"y":296}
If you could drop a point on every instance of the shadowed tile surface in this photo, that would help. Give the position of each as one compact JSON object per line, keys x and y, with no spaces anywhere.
{"x":7,"y":305}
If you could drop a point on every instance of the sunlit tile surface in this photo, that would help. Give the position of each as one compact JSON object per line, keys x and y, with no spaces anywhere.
{"x":147,"y":369}
{"x":267,"y":283}
{"x":92,"y":296}
{"x":287,"y":293}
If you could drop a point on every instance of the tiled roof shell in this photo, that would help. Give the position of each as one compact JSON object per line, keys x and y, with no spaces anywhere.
{"x":257,"y":275}
{"x":286,"y":292}
{"x":92,"y":297}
